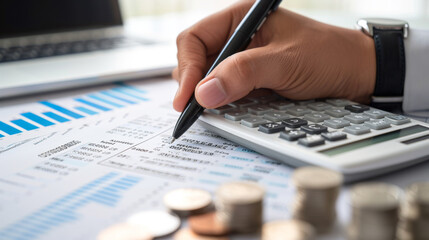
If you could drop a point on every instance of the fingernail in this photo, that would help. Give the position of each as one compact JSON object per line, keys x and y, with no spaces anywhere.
{"x":211,"y":93}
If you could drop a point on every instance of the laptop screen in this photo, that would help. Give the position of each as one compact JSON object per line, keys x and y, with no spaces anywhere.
{"x":25,"y":17}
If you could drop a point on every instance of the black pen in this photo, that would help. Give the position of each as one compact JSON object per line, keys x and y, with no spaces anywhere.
{"x":239,"y":41}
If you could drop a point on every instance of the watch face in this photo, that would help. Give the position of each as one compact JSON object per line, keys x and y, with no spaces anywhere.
{"x":368,"y":24}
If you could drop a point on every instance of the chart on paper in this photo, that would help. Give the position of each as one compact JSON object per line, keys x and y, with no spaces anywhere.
{"x":46,"y":113}
{"x":91,"y":178}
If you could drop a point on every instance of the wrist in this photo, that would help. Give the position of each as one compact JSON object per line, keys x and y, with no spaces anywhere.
{"x":360,"y":68}
{"x":368,"y":68}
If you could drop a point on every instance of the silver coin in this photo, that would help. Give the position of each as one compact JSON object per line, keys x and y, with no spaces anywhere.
{"x":414,"y":219}
{"x":419,"y":193}
{"x":124,"y":231}
{"x":239,"y":206}
{"x":316,"y":178}
{"x":240,"y":192}
{"x":376,"y":196}
{"x":157,"y":222}
{"x":375,"y":211}
{"x":316,"y":195}
{"x":187,"y":199}
{"x":287,"y":230}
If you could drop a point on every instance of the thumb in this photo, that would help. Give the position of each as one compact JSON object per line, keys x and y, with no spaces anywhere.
{"x":235,"y":77}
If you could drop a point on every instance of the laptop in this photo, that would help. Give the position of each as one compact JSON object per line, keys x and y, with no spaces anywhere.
{"x":50,"y":45}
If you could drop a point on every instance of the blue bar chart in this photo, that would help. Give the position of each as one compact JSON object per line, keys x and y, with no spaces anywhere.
{"x":106,"y":191}
{"x":26,"y":125}
{"x":119,"y":96}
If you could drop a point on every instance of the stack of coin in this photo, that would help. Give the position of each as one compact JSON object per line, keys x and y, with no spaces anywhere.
{"x":317,"y":190}
{"x":414,"y":219}
{"x":375,"y":208}
{"x":188,"y":201}
{"x":287,"y":230}
{"x":239,"y":205}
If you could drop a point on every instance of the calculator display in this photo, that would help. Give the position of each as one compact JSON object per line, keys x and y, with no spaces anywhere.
{"x":374,"y":140}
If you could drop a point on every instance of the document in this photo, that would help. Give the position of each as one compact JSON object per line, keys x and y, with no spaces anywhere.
{"x":72,"y":179}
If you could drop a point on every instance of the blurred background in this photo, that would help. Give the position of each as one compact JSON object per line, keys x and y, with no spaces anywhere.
{"x":339,"y":12}
{"x":165,"y":19}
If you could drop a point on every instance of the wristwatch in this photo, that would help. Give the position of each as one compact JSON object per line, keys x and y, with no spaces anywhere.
{"x":388,"y":35}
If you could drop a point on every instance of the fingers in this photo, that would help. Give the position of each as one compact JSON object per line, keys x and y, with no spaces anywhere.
{"x":196,"y":44}
{"x":237,"y":75}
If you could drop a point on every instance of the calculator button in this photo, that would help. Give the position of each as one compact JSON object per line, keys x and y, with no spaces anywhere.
{"x":276,"y":116}
{"x":282,"y":104}
{"x":338,"y":102}
{"x":294,"y":122}
{"x":253,"y":122}
{"x":311,"y":141}
{"x":292,"y":135}
{"x":271,"y":127}
{"x":337,"y":112}
{"x":357,"y":118}
{"x":376,"y":114}
{"x":357,"y":129}
{"x":316,"y":117}
{"x":236,"y":115}
{"x":243,"y":103}
{"x":314,"y":129}
{"x":336,"y":123}
{"x":397,"y":119}
{"x":334,"y":136}
{"x":304,"y":102}
{"x":377,"y":124}
{"x":298,"y":111}
{"x":319,"y":106}
{"x":264,"y":99}
{"x":357,"y":108}
{"x":222,"y":110}
{"x":259,"y":109}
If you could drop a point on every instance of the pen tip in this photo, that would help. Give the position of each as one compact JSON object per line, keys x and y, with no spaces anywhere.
{"x":172,"y":140}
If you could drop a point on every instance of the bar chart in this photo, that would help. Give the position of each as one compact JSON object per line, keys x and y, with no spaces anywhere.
{"x":58,"y":111}
{"x":106,"y":191}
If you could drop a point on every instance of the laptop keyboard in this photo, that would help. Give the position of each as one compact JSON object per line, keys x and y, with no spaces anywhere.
{"x":18,"y":53}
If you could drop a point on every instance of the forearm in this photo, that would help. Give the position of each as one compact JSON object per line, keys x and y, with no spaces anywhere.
{"x":416,"y":91}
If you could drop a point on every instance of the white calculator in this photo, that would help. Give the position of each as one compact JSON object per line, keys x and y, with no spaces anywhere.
{"x":354,"y":139}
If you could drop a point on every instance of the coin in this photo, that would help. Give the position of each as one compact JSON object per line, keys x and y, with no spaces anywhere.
{"x":185,"y":201}
{"x":316,"y":178}
{"x":207,"y":224}
{"x":188,"y":234}
{"x":418,"y":195}
{"x":124,"y":231}
{"x":240,"y":205}
{"x":375,"y":208}
{"x":414,"y":218}
{"x":240,"y":192}
{"x":157,"y":222}
{"x":287,"y":230}
{"x":376,"y":196}
{"x":316,"y":195}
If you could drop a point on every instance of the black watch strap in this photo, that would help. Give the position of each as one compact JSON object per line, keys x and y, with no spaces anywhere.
{"x":390,"y":54}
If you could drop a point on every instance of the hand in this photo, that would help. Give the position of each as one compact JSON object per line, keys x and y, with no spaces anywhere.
{"x":295,"y":56}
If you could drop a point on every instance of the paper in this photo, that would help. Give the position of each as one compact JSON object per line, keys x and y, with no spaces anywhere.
{"x":71,"y":180}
